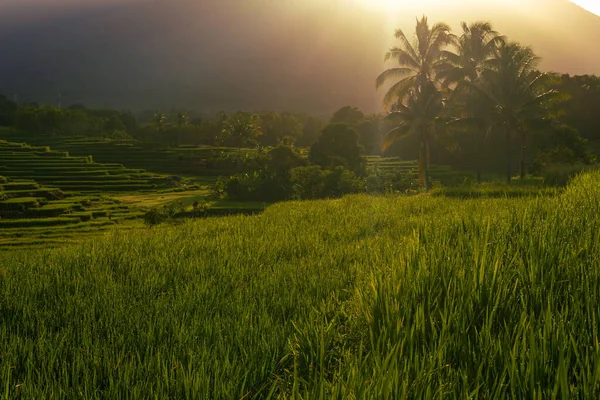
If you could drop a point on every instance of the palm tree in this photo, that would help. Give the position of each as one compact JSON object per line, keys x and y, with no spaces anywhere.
{"x":419,"y":61}
{"x":475,"y":51}
{"x":421,"y":115}
{"x":414,"y":99}
{"x":475,"y":48}
{"x":159,"y":120}
{"x":182,"y":122}
{"x":516,"y":95}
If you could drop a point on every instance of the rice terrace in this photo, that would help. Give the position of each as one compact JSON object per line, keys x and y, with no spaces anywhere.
{"x":441,"y":241}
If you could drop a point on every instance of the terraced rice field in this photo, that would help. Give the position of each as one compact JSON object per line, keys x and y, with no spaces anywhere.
{"x":49,"y":198}
{"x":48,"y":217}
{"x":445,"y":175}
{"x":186,"y":160}
{"x":59,"y":169}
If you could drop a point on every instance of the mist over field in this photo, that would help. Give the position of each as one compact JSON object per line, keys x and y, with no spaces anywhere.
{"x":305,"y":55}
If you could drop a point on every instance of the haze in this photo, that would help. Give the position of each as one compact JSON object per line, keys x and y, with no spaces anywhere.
{"x":209,"y":55}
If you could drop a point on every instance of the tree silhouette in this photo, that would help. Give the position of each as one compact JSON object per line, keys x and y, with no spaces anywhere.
{"x":338,"y":146}
{"x":241,"y":129}
{"x":419,"y":62}
{"x":420,"y":116}
{"x":415,"y":99}
{"x":159,"y":121}
{"x":475,"y":52}
{"x":348,"y":115}
{"x":182,"y":121}
{"x":516,"y":95}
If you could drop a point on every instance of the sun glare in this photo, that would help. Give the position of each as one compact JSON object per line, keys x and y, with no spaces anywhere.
{"x":393,"y":5}
{"x":590,"y":5}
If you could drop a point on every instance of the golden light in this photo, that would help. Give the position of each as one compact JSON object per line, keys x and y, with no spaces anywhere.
{"x":396,"y":5}
{"x":590,"y":5}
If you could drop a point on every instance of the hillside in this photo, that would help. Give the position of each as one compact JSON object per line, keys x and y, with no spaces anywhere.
{"x":362,"y":297}
{"x":303,"y":55}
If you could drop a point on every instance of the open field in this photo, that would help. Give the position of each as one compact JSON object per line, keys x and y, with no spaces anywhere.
{"x":152,"y":200}
{"x":361,"y":297}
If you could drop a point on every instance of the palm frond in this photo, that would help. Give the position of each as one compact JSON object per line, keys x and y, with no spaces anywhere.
{"x":394,"y":135}
{"x":399,"y":90}
{"x":392,"y":73}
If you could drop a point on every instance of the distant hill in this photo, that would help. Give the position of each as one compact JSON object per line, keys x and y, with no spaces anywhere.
{"x":304,"y":55}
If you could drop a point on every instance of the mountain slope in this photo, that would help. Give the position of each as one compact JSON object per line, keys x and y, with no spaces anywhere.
{"x":306,"y":55}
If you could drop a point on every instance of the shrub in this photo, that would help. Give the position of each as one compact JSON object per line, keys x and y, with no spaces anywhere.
{"x":308,"y":182}
{"x":315,"y":182}
{"x":340,"y":182}
{"x":257,"y":186}
{"x":562,"y":146}
{"x":381,"y":181}
{"x":281,"y":159}
{"x":153,"y":217}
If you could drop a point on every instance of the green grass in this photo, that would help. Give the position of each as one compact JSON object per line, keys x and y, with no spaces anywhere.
{"x":492,"y":189}
{"x":357,"y":298}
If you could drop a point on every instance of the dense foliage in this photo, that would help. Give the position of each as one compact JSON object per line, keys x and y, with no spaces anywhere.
{"x":479,"y":84}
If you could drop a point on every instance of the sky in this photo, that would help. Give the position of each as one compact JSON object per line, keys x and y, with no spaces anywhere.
{"x":590,"y":5}
{"x":311,"y":56}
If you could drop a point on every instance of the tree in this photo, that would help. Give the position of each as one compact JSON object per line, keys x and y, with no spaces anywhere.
{"x":475,"y":50}
{"x":368,"y":127}
{"x":8,"y":111}
{"x":516,"y":96}
{"x":276,"y":127}
{"x":349,"y":115}
{"x":281,"y":159}
{"x":338,"y":146}
{"x":159,"y":121}
{"x":241,"y":129}
{"x":420,"y":116}
{"x":311,"y":130}
{"x":419,"y":62}
{"x":182,"y":122}
{"x":415,"y":100}
{"x":581,"y":109}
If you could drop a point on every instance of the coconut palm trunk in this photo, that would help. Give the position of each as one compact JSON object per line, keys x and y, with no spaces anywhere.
{"x":508,"y":154}
{"x":478,"y":157}
{"x":522,"y":165}
{"x":414,"y":96}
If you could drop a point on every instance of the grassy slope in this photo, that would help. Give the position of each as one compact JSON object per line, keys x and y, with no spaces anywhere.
{"x":363,"y":297}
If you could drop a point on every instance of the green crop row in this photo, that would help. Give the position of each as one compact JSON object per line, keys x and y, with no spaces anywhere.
{"x":19,"y":204}
{"x":25,"y":223}
{"x":19,"y":186}
{"x":47,"y":193}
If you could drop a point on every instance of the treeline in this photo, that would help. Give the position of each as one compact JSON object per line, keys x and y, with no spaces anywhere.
{"x":478,"y":99}
{"x":565,"y":142}
{"x":244,"y":129}
{"x":237,"y":129}
{"x":73,"y":121}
